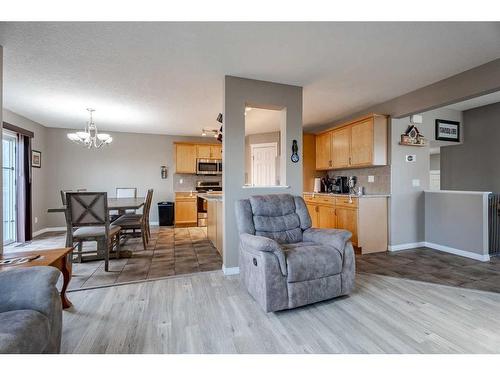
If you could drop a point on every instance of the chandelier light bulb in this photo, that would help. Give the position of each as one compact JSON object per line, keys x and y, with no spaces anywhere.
{"x":90,"y":137}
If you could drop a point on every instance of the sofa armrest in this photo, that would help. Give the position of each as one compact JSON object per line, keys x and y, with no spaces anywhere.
{"x":31,"y":288}
{"x":259,"y":243}
{"x":336,"y":238}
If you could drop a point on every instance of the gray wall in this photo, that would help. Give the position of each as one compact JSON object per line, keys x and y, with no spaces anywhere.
{"x":435,"y":162}
{"x":260,"y":138}
{"x":457,"y":220}
{"x":238,"y":93}
{"x":131,"y":160}
{"x":407,"y":201}
{"x":474,"y":165}
{"x":39,"y":180}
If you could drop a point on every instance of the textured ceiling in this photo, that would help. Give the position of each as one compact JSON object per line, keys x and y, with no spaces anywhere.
{"x":168,"y":77}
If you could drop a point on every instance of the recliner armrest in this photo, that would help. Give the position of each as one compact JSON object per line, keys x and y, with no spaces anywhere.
{"x":259,"y":243}
{"x":329,"y":237}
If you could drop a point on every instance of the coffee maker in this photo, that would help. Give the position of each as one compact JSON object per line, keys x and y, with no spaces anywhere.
{"x":340,"y":185}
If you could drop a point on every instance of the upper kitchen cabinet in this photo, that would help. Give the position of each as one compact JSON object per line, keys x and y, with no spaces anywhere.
{"x":341,"y":144}
{"x":208,"y":151}
{"x":216,"y":151}
{"x":323,"y":151}
{"x":203,"y":151}
{"x":359,"y":143}
{"x":185,"y":157}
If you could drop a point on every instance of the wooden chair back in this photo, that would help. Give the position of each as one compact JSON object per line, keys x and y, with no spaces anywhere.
{"x":63,"y":195}
{"x":87,"y":209}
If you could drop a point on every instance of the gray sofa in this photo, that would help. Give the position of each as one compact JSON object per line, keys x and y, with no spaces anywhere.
{"x":30,"y":311}
{"x":284,"y":263}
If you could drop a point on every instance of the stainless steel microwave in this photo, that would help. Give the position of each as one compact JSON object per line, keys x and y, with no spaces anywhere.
{"x":209,"y":166}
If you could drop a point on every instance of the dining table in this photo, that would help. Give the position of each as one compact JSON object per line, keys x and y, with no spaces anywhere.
{"x":114,"y":204}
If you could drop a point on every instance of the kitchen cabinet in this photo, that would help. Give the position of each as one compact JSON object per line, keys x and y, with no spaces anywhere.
{"x":327,"y":218}
{"x":186,"y":209}
{"x":365,"y":217}
{"x":359,"y":143}
{"x":341,"y":145}
{"x":215,"y":225}
{"x":323,"y":151}
{"x":216,"y":151}
{"x":347,"y":219}
{"x":185,"y":158}
{"x":203,"y":151}
{"x":362,"y":144}
{"x":187,"y":153}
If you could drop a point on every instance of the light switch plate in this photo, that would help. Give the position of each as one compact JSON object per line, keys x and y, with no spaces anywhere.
{"x":371,"y":178}
{"x":415,"y":182}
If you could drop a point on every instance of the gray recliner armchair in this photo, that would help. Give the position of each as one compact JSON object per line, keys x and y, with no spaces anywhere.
{"x":284,"y":263}
{"x":30,"y":311}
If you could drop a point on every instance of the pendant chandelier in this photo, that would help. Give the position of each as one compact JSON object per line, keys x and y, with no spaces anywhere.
{"x":90,"y":138}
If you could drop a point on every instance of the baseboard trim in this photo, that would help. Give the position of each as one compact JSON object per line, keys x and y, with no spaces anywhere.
{"x":406,"y":246}
{"x":230,"y":270}
{"x":446,"y":249}
{"x":463,"y":253}
{"x":49,"y":229}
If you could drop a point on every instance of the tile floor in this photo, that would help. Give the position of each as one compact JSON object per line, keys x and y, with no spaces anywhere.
{"x":434,"y":266}
{"x":169,"y":252}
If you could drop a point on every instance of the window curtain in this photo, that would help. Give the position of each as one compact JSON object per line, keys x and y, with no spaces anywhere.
{"x":23,"y":188}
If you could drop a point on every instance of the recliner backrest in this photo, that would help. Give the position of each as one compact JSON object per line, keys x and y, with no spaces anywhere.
{"x":281,"y":217}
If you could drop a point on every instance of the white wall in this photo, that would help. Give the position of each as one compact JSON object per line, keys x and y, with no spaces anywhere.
{"x":38,"y":180}
{"x":238,"y":93}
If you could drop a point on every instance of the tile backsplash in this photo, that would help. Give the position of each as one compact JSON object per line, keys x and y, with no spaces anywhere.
{"x":381,"y":183}
{"x":187,"y":182}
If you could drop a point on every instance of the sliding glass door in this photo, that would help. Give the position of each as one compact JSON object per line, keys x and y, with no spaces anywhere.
{"x":9,"y":187}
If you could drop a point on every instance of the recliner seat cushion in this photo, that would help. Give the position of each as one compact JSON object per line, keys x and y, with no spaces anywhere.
{"x":309,"y":261}
{"x":23,"y":331}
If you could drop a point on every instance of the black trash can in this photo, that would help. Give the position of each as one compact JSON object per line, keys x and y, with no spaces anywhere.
{"x":166,"y":213}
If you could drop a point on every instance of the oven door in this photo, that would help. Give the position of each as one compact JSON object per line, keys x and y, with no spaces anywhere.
{"x":207,"y":167}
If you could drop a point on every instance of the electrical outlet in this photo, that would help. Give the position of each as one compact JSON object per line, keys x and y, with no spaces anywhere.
{"x":415,"y":182}
{"x":371,"y":178}
{"x":181,"y":181}
{"x":36,"y":220}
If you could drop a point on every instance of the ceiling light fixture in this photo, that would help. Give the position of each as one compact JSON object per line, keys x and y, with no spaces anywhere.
{"x":90,"y":138}
{"x":213,"y":132}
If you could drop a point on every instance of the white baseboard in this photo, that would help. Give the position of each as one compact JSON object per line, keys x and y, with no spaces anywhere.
{"x":406,"y":246}
{"x":463,"y":253}
{"x":230,"y":270}
{"x":446,"y":249}
{"x":49,"y":229}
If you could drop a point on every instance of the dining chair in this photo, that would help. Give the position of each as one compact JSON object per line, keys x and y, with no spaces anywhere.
{"x":138,"y":221}
{"x":88,"y":220}
{"x":126,"y":193}
{"x":63,"y":194}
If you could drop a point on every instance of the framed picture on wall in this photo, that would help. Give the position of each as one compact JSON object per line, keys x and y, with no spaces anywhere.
{"x":36,"y":159}
{"x":447,"y":131}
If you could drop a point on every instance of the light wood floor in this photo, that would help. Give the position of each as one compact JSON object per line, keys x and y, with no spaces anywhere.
{"x":210,"y":313}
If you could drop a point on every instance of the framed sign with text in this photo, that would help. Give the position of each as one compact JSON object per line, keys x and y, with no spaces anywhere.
{"x":447,"y":130}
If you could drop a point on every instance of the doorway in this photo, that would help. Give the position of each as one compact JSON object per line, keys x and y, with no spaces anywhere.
{"x":9,"y":143}
{"x":263,"y":172}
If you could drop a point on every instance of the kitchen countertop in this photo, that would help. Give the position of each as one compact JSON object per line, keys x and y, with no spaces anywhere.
{"x":346,"y":195}
{"x":211,"y":196}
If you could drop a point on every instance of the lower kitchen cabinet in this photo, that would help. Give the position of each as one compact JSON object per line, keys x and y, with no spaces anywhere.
{"x":215,"y":224}
{"x":186,"y":209}
{"x":366,"y":218}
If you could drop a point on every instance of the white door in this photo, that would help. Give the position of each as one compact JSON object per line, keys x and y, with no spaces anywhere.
{"x":9,"y":187}
{"x":264,"y":164}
